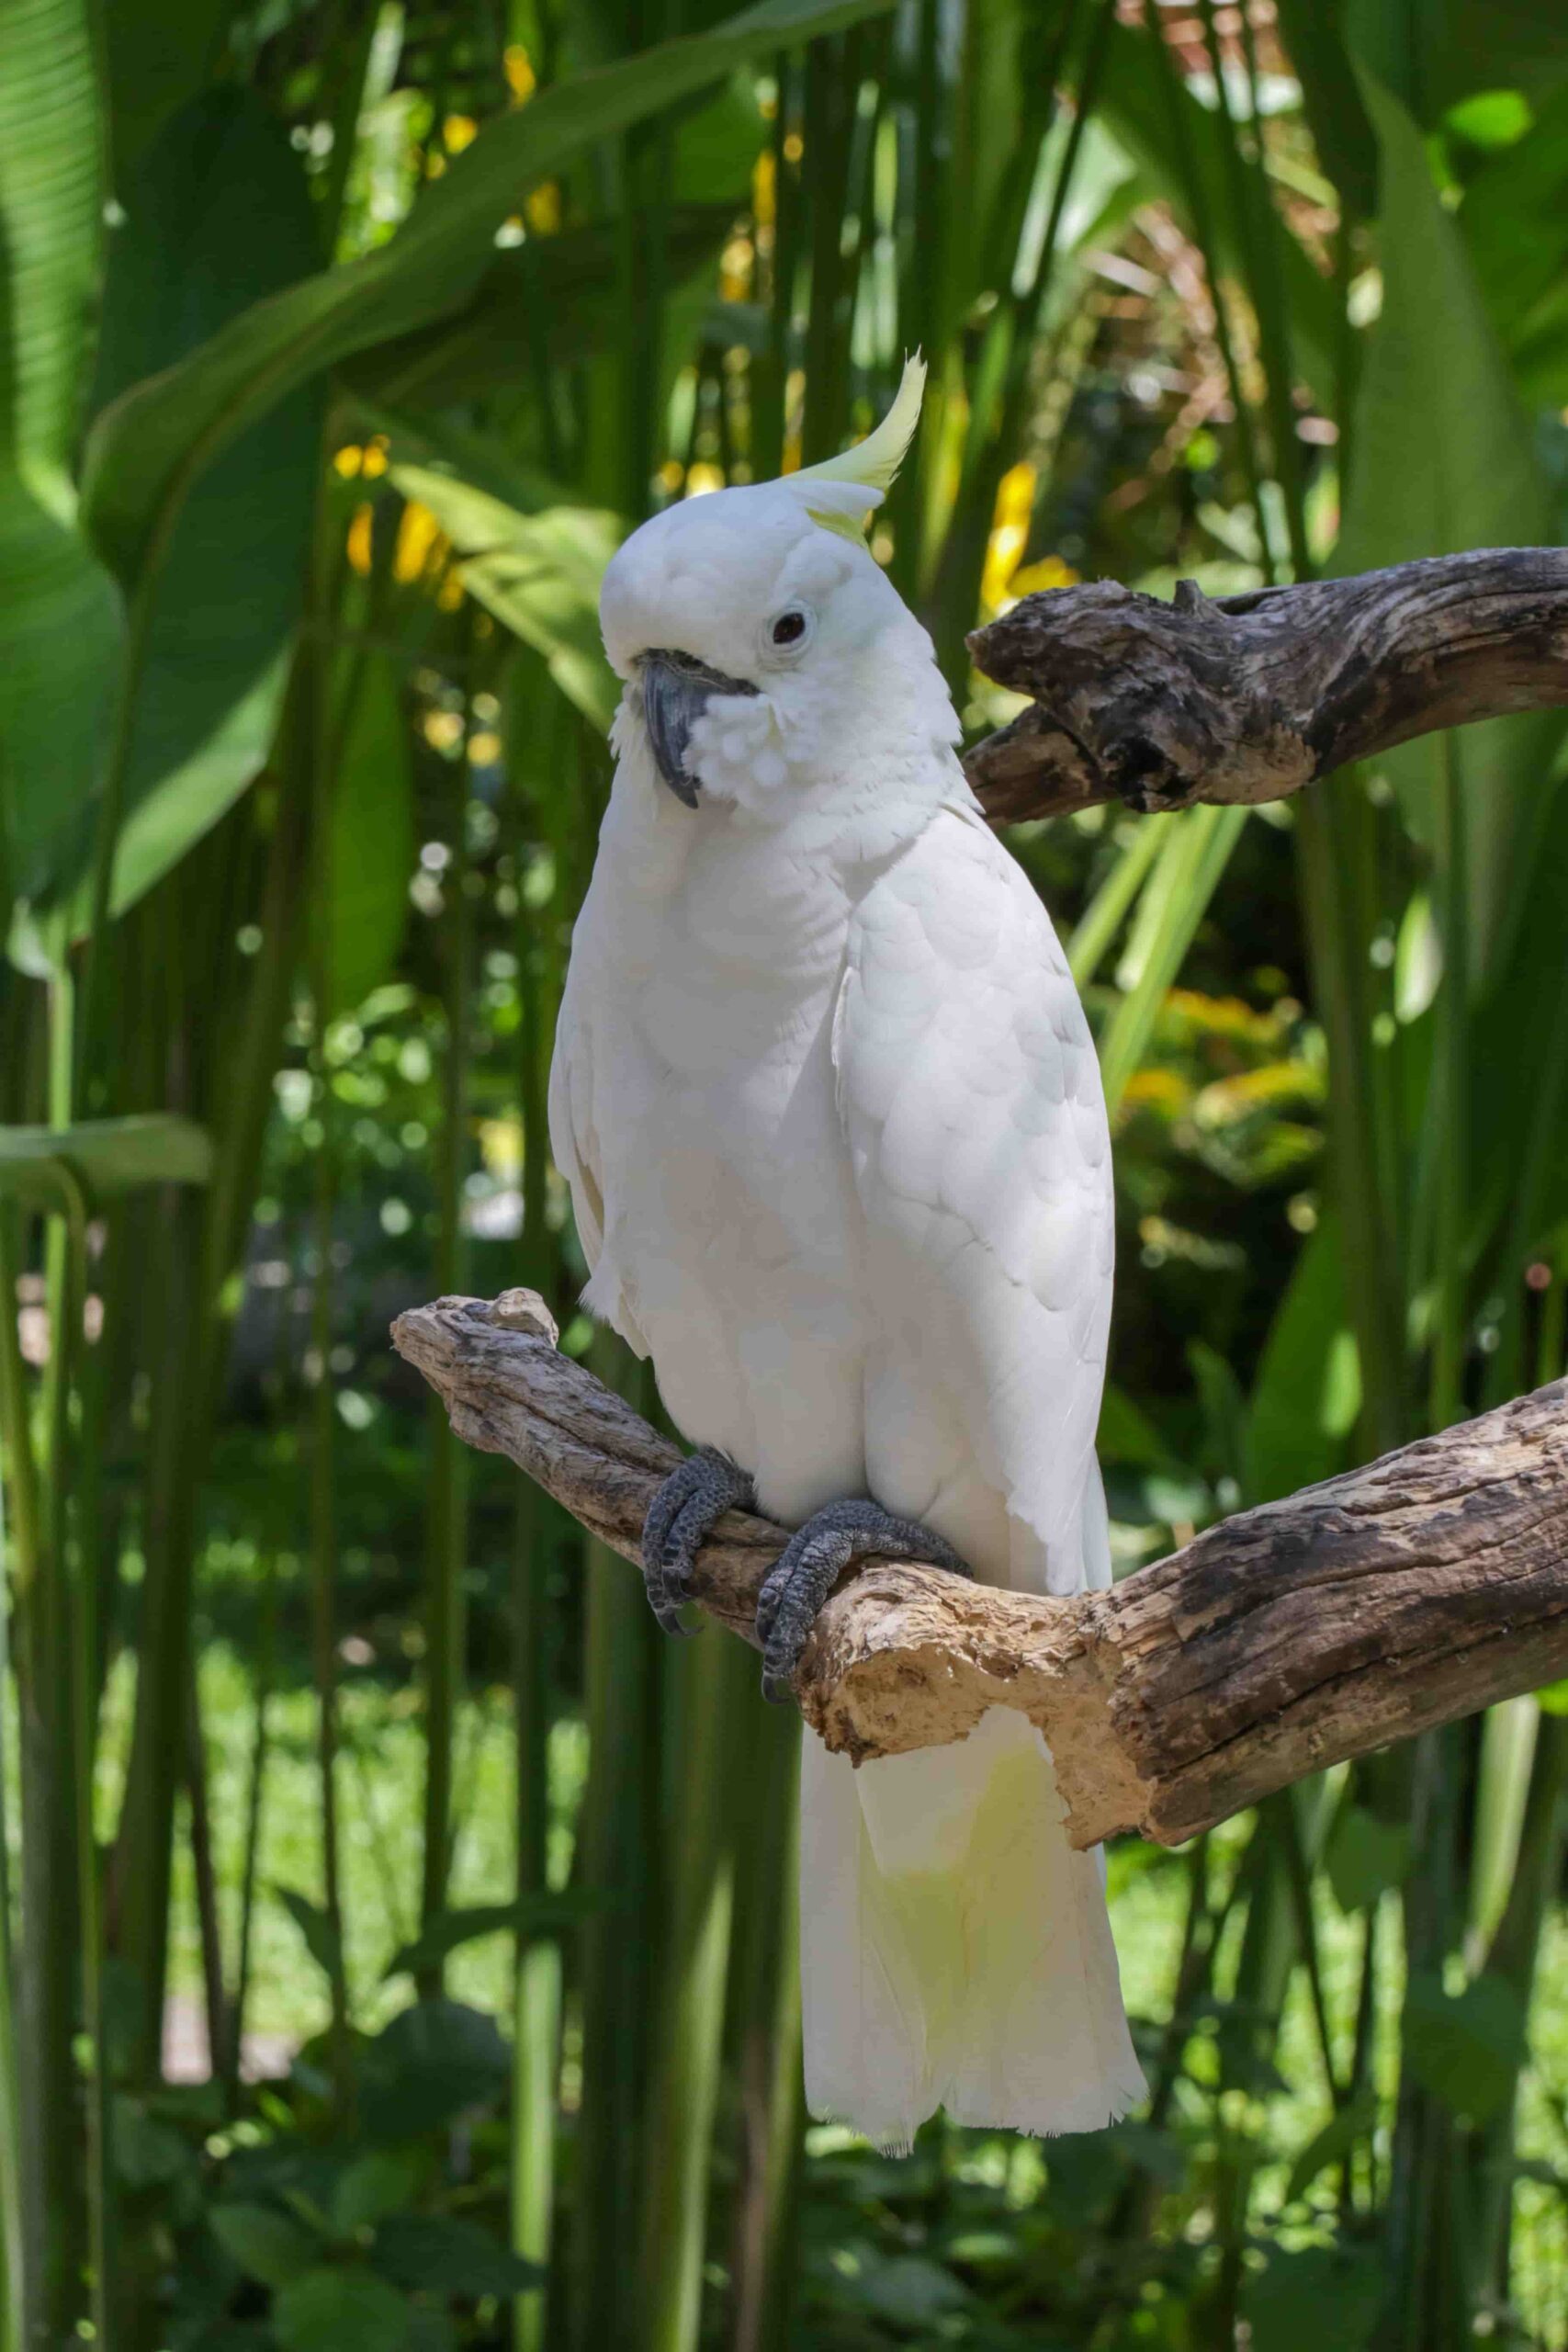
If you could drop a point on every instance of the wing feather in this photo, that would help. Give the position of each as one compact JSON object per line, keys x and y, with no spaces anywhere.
{"x":970,"y":1097}
{"x":577,"y":1073}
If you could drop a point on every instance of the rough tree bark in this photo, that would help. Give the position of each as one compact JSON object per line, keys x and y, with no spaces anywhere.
{"x":1285,"y":1639}
{"x":1249,"y":698}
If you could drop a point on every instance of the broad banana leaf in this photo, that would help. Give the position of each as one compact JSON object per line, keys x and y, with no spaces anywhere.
{"x":1467,"y":478}
{"x":59,"y":610}
{"x":218,"y":215}
{"x":156,"y":441}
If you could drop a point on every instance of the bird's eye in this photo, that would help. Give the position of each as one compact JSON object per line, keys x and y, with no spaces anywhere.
{"x":790,"y":627}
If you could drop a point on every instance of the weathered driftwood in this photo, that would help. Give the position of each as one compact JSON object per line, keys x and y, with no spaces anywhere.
{"x":1358,"y":1612}
{"x":1252,"y":697}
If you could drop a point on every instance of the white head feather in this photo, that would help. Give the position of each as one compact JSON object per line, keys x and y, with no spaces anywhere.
{"x":772,"y":586}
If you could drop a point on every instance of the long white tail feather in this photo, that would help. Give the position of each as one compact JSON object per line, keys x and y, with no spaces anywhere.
{"x":955,"y":1950}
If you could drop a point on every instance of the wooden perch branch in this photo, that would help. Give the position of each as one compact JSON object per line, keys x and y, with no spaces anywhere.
{"x":1285,"y":1639}
{"x":1250,"y":697}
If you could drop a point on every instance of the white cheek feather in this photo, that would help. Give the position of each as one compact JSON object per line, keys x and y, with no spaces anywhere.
{"x":737,"y":752}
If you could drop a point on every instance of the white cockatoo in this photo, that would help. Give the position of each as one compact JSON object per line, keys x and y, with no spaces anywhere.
{"x":833,"y":1126}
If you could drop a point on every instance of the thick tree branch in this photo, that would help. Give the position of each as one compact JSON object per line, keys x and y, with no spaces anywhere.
{"x":1357,"y":1612}
{"x":1251,"y":697}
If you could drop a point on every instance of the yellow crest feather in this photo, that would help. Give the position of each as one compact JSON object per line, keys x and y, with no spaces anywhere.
{"x":841,"y":491}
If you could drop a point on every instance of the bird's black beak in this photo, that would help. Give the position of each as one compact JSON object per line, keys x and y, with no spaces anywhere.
{"x":675,"y":692}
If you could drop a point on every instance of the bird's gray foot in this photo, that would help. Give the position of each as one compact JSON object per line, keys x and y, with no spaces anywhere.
{"x":810,"y":1566}
{"x":694,"y":1495}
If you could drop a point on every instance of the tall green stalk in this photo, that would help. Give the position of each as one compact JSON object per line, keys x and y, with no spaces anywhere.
{"x":448,"y":1521}
{"x":613,"y":1855}
{"x":321,"y":1451}
{"x":710,"y":1679}
{"x":536,"y":1988}
{"x":764,"y":1999}
{"x":19,"y":1562}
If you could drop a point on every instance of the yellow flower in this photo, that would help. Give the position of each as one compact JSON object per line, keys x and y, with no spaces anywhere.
{"x":1009,"y":531}
{"x":359,"y":539}
{"x":418,"y":534}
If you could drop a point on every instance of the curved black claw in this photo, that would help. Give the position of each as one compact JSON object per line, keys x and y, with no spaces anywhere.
{"x":696,"y":1493}
{"x":810,"y":1566}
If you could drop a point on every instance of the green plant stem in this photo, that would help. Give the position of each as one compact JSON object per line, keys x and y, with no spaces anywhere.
{"x":1183,"y":877}
{"x":1262,"y":237}
{"x":766,"y":1999}
{"x":1514,"y":1955}
{"x":448,"y":1509}
{"x":1448,"y":1103}
{"x":20,"y":1561}
{"x":205,"y":1875}
{"x":1103,"y":916}
{"x":963,"y":560}
{"x":266,"y":1669}
{"x":1202,"y":225}
{"x":1331,"y":851}
{"x":537,"y":1990}
{"x":710,"y":1679}
{"x":1422,"y":2256}
{"x":615,"y":1853}
{"x":321,"y":1450}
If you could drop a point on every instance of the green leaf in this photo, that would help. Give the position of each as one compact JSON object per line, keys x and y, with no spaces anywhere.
{"x":1127,"y":1435}
{"x":432,"y":2062}
{"x":560,"y":295}
{"x":147,"y":450}
{"x":371,"y":851}
{"x":909,"y":2291}
{"x":1224,"y":1407}
{"x":1287,"y":2306}
{"x":1470,"y":479}
{"x":218,"y":215}
{"x":536,"y":1915}
{"x":1365,"y":1857}
{"x":147,"y":2153}
{"x":341,"y":2310}
{"x":1514,"y":221}
{"x":1353,"y":2122}
{"x":313,"y":1924}
{"x":60,"y":620}
{"x":375,"y":2186}
{"x":266,"y":2244}
{"x":1466,"y":2049}
{"x":154,"y":65}
{"x":1331,"y":101}
{"x":538,"y":574}
{"x":436,"y":2255}
{"x":1306,"y":1393}
{"x":108,"y":1156}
